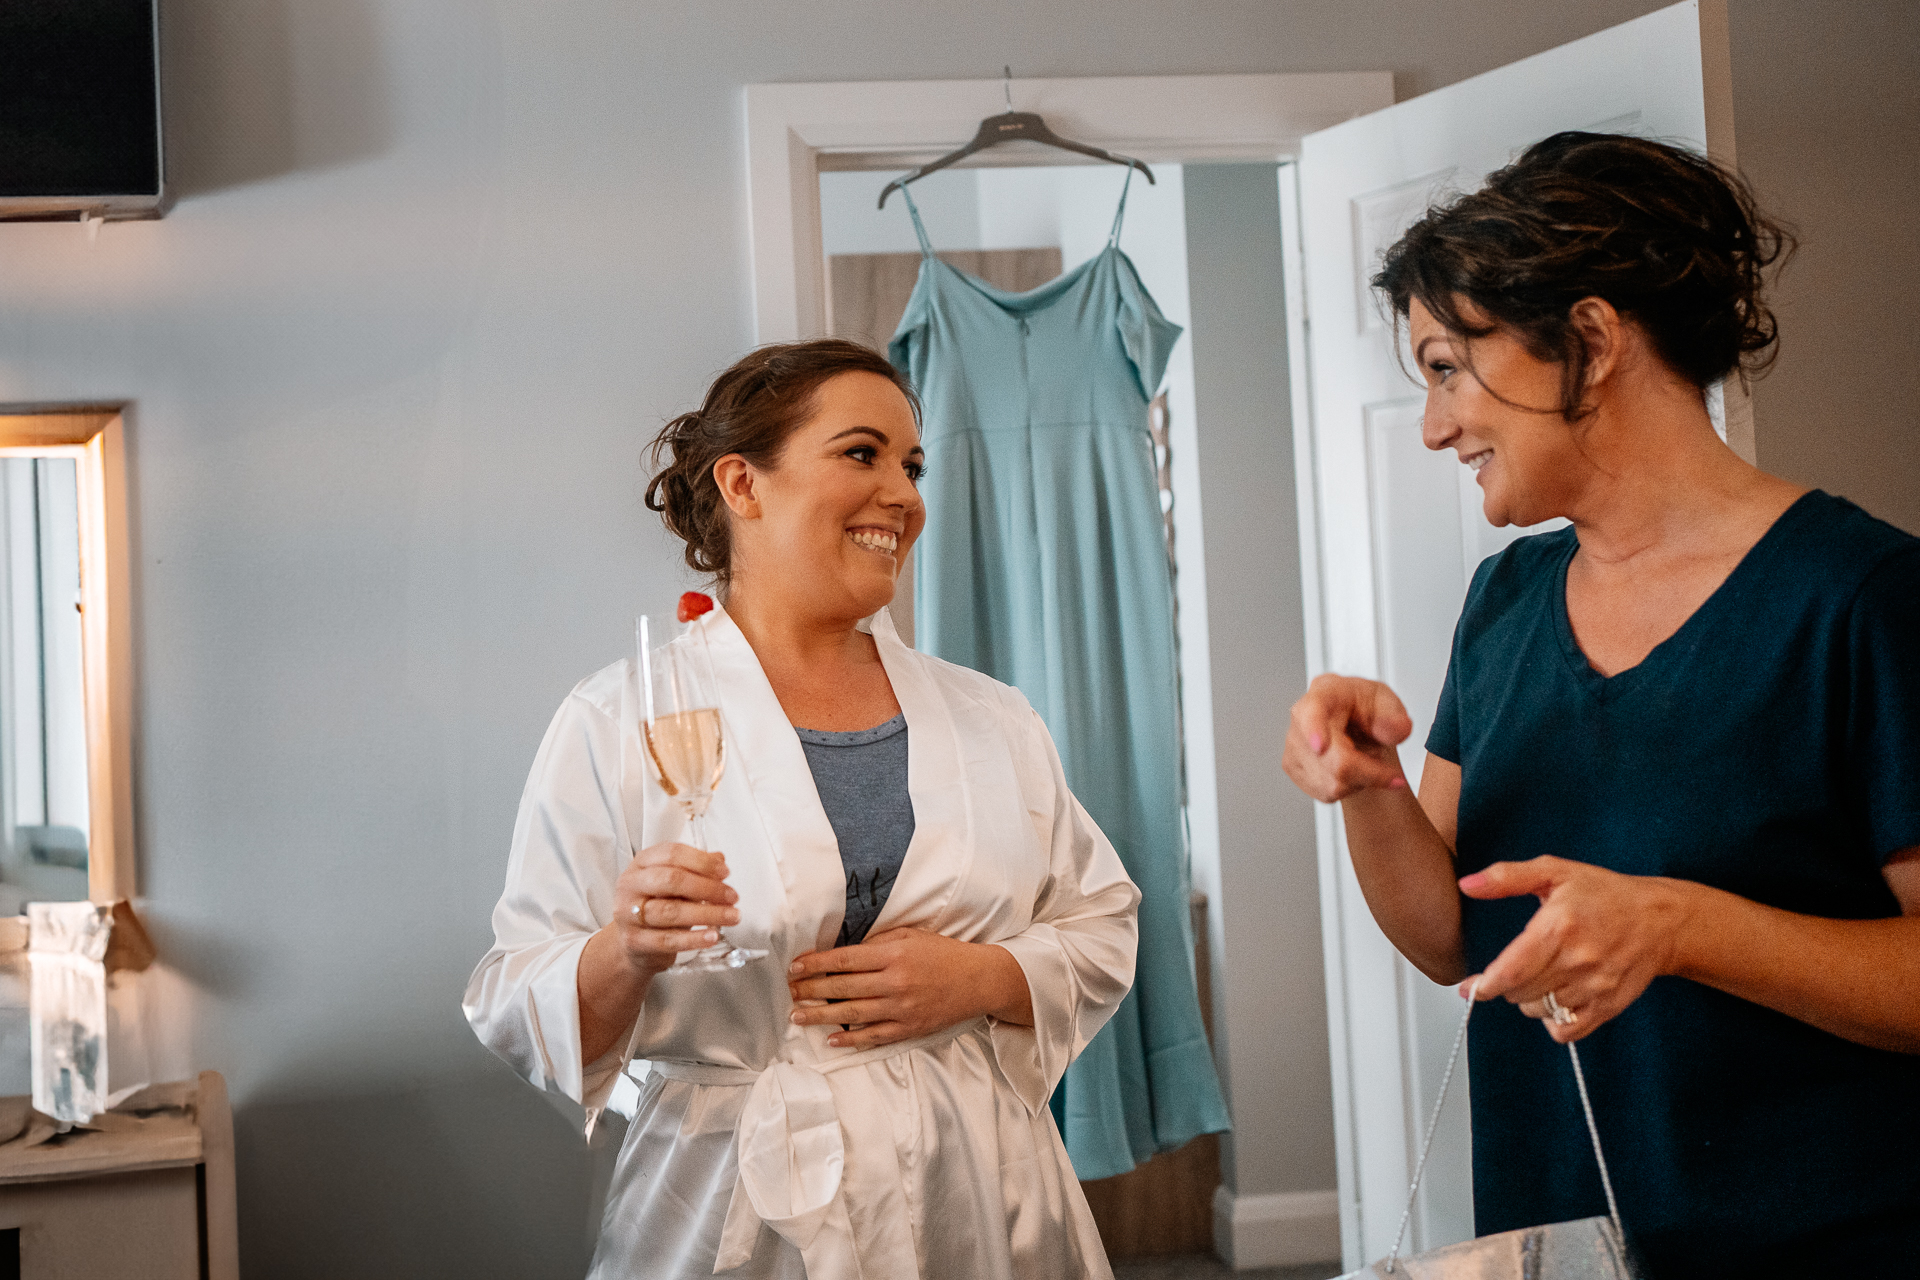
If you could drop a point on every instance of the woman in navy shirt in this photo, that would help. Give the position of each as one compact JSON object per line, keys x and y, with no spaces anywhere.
{"x":1671,"y":804}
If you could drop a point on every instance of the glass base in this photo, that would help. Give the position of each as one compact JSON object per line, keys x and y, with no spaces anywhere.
{"x":718,"y":958}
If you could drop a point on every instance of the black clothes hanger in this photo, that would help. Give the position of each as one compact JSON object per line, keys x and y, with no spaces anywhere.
{"x":1011,"y":126}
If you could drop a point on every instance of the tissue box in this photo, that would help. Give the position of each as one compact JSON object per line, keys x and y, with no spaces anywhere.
{"x":85,"y":1030}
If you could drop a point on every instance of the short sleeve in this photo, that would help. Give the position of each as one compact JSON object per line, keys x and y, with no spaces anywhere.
{"x":1884,"y":711}
{"x":1443,"y":739}
{"x":1147,"y":335}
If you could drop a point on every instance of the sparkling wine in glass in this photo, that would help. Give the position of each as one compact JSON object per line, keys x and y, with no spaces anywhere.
{"x":680,"y":725}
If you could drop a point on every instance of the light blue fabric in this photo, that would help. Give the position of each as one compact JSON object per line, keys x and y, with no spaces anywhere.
{"x":1044,"y":564}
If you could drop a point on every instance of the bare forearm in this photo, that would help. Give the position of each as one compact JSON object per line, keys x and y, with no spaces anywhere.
{"x":1406,"y":872}
{"x":1342,"y":745}
{"x":1859,"y":979}
{"x":611,"y":991}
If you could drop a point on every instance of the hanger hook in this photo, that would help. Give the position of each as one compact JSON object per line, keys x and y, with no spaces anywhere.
{"x":1006,"y":86}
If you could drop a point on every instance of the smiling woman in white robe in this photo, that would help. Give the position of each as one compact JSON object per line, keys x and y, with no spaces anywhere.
{"x":768,"y":1141}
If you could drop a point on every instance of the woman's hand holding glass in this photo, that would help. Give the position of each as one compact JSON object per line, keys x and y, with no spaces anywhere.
{"x":906,"y":983}
{"x":672,"y":898}
{"x":684,"y":734}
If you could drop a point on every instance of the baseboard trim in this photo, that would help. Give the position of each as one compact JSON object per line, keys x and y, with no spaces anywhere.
{"x":1281,"y":1229}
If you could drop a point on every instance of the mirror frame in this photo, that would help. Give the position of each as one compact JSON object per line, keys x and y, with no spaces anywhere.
{"x":94,"y":437}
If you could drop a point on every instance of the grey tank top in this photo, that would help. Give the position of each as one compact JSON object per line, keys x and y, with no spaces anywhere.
{"x":862,"y":780}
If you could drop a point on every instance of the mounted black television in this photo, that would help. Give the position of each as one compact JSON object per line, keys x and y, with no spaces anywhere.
{"x":80,"y":109}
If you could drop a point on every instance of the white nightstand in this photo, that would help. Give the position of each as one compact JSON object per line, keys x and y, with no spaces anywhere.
{"x":152,"y":1198}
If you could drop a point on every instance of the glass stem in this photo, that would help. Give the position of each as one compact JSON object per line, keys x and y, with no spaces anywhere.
{"x":697,"y":830}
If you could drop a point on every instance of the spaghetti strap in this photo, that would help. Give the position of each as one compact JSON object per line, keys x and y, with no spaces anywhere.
{"x":919,"y":229}
{"x":1113,"y":237}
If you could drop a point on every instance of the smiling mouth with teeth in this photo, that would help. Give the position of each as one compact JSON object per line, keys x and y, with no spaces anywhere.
{"x":875,"y":540}
{"x":1479,"y":460}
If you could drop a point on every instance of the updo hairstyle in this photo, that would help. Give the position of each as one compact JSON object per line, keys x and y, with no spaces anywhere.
{"x":750,"y":410}
{"x":1671,"y":240}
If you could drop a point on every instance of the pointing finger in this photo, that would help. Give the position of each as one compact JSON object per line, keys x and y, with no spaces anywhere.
{"x":1356,"y":770}
{"x":1386,"y":716}
{"x":1310,"y":717}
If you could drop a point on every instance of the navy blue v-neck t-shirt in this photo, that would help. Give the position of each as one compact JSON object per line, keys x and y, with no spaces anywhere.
{"x":1771,"y":748}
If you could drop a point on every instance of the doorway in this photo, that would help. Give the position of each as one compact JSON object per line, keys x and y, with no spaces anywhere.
{"x":1207,"y":242}
{"x":1250,"y":849}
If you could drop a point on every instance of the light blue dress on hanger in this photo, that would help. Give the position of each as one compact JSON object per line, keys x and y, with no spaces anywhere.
{"x":1044,"y":564}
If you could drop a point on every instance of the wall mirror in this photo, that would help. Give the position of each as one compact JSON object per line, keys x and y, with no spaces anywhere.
{"x":66,"y":803}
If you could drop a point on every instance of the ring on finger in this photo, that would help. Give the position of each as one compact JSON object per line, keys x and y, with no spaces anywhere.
{"x":1561,"y":1015}
{"x":639,"y":911}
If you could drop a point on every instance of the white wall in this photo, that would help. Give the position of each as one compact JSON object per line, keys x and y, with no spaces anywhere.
{"x":1827,"y":123}
{"x":1021,"y":208}
{"x":438,"y":271}
{"x":851,"y":220}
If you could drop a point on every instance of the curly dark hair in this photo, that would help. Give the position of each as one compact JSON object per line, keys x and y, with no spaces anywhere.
{"x":751,"y":409}
{"x":1670,"y":239}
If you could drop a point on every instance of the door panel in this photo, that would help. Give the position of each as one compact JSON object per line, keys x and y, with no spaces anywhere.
{"x":1400,"y":530}
{"x":1418,"y":561}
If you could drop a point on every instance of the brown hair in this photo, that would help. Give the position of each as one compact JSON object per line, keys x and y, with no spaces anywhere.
{"x":751,"y":410}
{"x":1670,"y":239}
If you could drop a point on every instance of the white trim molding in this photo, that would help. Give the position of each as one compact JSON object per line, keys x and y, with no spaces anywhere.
{"x":94,"y":437}
{"x":1282,"y":1229}
{"x":794,"y":131}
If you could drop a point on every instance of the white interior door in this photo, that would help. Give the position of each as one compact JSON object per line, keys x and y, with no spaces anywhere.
{"x":1400,"y":529}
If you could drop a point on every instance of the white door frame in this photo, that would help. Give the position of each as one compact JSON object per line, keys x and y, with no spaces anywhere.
{"x":794,"y":131}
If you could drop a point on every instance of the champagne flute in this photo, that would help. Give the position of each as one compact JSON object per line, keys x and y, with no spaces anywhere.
{"x":681,"y":728}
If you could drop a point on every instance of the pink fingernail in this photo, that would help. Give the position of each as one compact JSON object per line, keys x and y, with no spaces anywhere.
{"x":1317,"y":743}
{"x":1398,"y":784}
{"x":1477,"y":880}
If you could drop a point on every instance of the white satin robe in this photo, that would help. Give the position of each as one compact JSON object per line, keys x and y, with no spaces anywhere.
{"x":756,"y":1150}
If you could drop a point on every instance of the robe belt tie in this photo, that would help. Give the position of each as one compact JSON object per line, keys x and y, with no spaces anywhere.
{"x":791,"y":1151}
